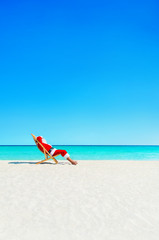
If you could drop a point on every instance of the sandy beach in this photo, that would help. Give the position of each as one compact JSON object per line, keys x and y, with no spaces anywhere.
{"x":113,"y":200}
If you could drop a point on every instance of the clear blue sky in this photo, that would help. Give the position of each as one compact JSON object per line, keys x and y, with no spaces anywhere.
{"x":79,"y":72}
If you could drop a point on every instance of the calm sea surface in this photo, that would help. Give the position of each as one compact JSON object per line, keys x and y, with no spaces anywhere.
{"x":84,"y":152}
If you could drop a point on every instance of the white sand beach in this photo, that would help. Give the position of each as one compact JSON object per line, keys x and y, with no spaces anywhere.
{"x":105,"y":200}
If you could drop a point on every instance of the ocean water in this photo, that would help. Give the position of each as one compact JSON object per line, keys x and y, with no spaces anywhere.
{"x":84,"y":152}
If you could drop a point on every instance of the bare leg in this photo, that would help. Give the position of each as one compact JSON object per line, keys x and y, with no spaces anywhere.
{"x":64,"y":154}
{"x":72,"y":161}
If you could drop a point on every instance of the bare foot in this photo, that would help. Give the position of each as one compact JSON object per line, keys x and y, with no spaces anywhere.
{"x":74,"y":162}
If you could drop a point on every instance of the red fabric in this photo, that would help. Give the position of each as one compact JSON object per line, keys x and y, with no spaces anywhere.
{"x":45,"y":145}
{"x":62,"y":152}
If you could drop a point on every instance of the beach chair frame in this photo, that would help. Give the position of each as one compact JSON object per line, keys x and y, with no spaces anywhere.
{"x":46,"y":153}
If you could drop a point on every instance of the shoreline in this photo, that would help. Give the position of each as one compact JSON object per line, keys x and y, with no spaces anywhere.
{"x":85,"y":160}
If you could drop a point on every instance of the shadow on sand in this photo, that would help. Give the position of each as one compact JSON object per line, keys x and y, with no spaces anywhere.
{"x":59,"y":163}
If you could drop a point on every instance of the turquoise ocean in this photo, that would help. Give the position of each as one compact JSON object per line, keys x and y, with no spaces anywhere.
{"x":84,"y":152}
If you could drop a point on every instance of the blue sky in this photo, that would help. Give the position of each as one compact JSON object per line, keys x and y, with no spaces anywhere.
{"x":79,"y":72}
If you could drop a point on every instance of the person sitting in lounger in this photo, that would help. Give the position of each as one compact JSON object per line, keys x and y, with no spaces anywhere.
{"x":53,"y":151}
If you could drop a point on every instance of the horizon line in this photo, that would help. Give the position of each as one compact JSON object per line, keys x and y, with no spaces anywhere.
{"x":89,"y":145}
